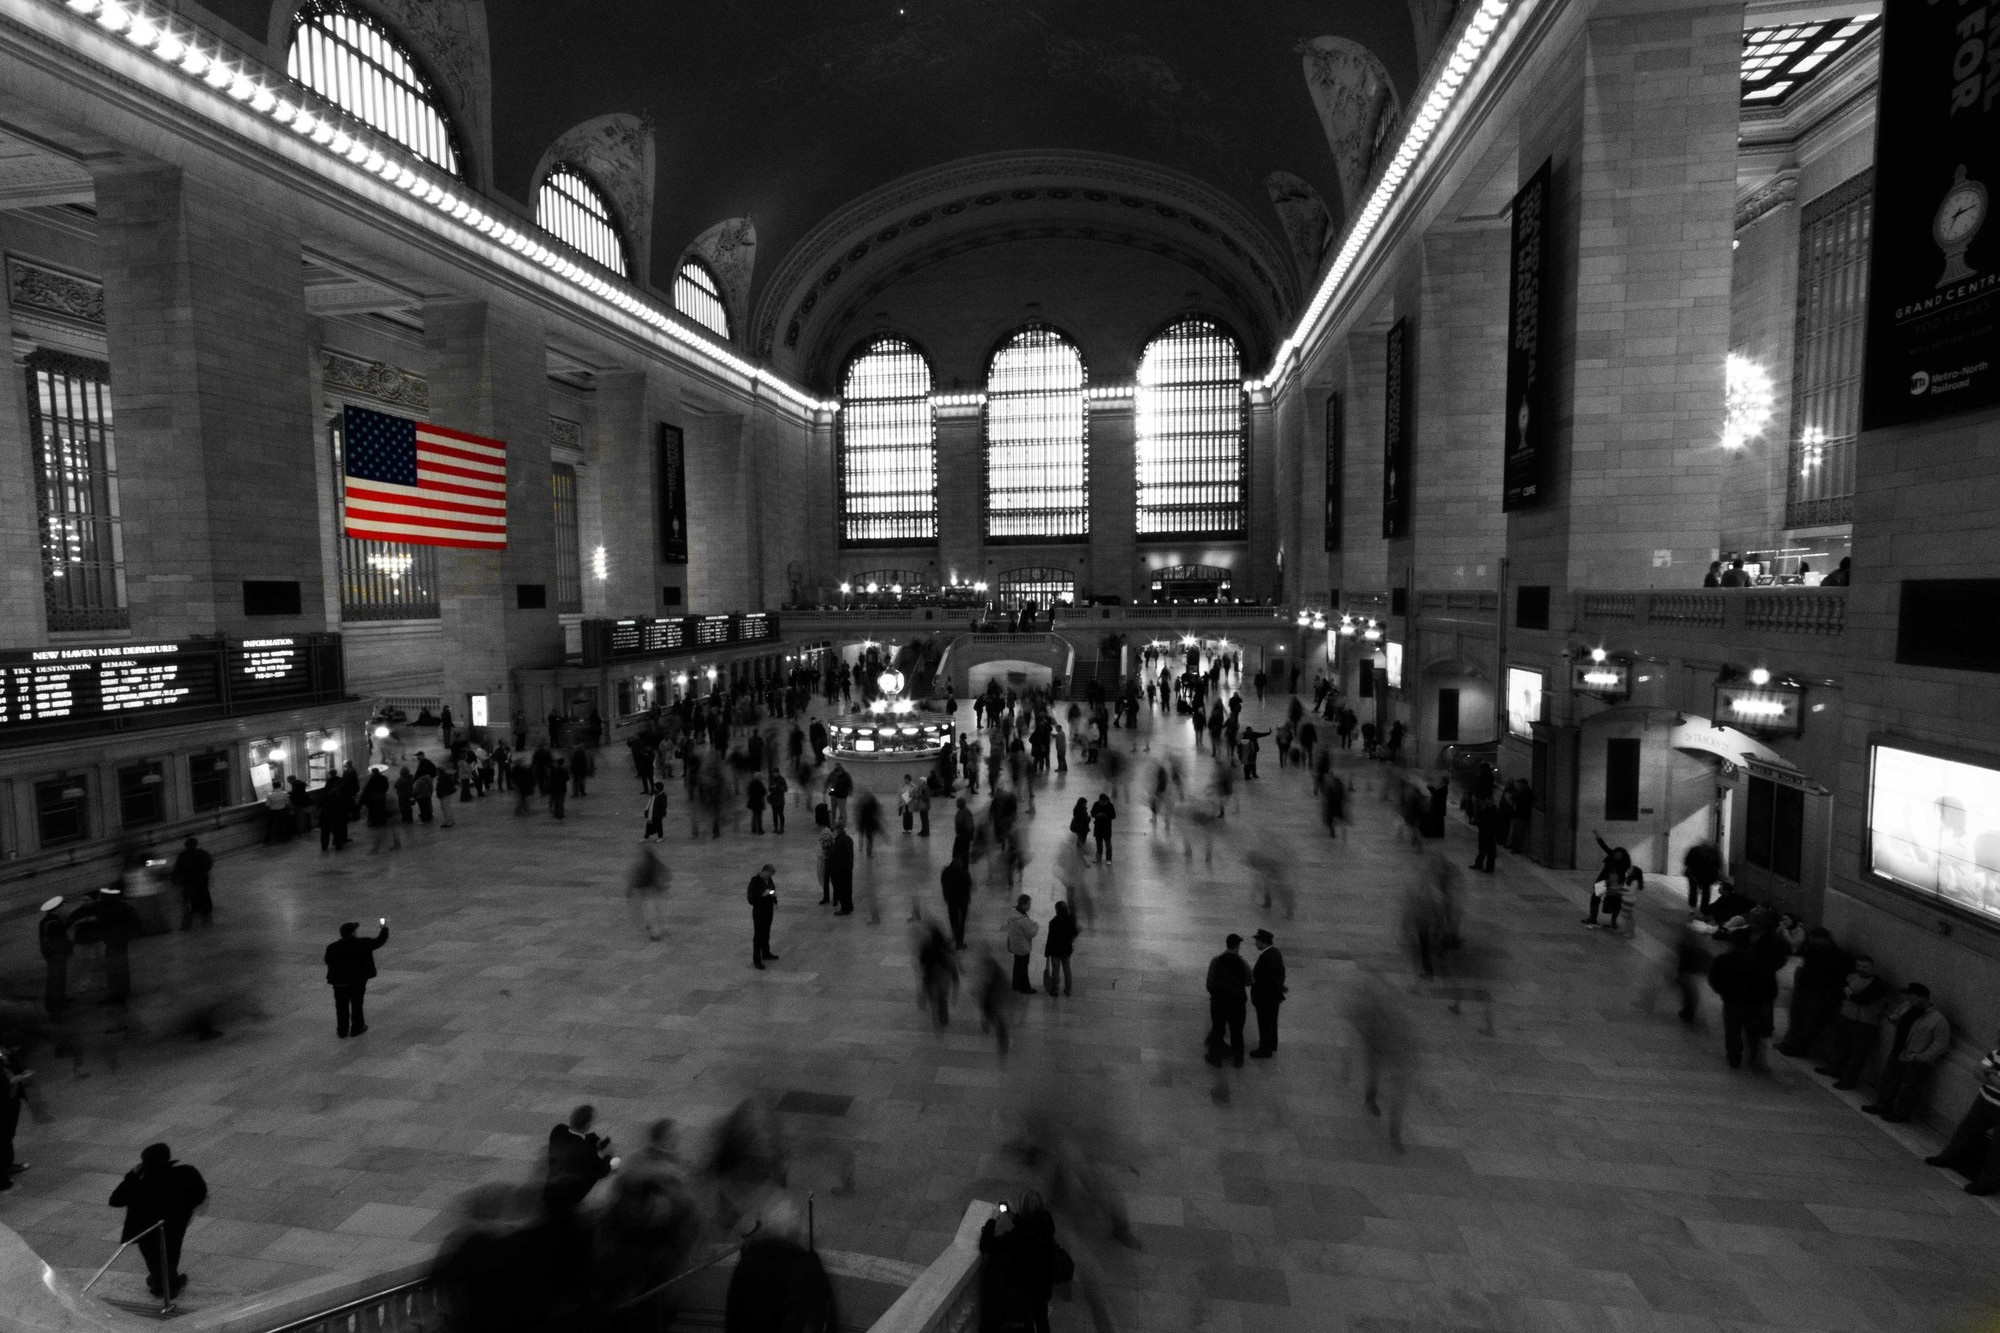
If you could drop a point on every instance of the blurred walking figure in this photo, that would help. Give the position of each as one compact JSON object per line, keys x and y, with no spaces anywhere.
{"x":1703,"y":867}
{"x":1387,"y":1046}
{"x":937,"y":970}
{"x":1073,"y":874}
{"x":1270,"y":882}
{"x":1691,"y":960}
{"x":651,"y":1225}
{"x":646,"y":891}
{"x":779,"y":1286}
{"x":993,"y":987}
{"x":1332,"y":803}
{"x":1228,"y":982}
{"x":1430,"y":912}
{"x":191,"y":871}
{"x":159,"y":1197}
{"x":57,"y":948}
{"x":840,"y":870}
{"x":956,"y":883}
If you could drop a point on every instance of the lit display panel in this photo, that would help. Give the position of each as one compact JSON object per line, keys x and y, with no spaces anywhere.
{"x":117,"y":686}
{"x":1934,"y":827}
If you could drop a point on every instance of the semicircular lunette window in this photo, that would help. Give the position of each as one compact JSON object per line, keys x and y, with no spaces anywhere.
{"x":570,"y":208}
{"x":1037,"y":446}
{"x":698,"y":296}
{"x":1190,"y":433}
{"x":351,"y":60}
{"x":888,"y":448}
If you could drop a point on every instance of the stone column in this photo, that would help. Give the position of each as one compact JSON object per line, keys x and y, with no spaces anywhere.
{"x":205,"y":320}
{"x":1114,"y":497}
{"x":489,"y":375}
{"x":22,"y":602}
{"x":625,"y":490}
{"x":1260,"y":502}
{"x":1364,"y":556}
{"x":961,"y":492}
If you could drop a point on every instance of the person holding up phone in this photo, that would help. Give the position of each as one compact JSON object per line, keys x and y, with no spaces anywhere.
{"x":350,"y":964}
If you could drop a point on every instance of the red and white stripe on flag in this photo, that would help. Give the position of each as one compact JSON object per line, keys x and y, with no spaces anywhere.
{"x":460,"y":498}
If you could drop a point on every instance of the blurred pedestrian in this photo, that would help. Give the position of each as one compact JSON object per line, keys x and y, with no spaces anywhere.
{"x":14,"y":1076}
{"x":993,"y":1000}
{"x":1817,"y":985}
{"x":780,"y":1285}
{"x":956,"y":883}
{"x":646,"y":891}
{"x":350,"y":964}
{"x":840,"y":870}
{"x":1228,"y":982}
{"x":57,"y":948}
{"x":1386,"y":1043}
{"x":159,"y":1197}
{"x":937,"y":971}
{"x":1267,"y":992}
{"x":191,"y":874}
{"x":1864,"y":998}
{"x":1021,"y":931}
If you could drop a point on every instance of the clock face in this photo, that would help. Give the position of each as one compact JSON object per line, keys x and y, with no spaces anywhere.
{"x":1961,"y":214}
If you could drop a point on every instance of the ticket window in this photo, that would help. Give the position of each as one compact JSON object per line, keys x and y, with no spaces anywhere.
{"x":208,"y":780}
{"x":270,"y":765}
{"x":62,"y":811}
{"x":142,"y":794}
{"x":322,"y":756}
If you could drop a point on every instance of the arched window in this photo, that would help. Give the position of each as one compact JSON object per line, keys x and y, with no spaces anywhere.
{"x":1196,"y":584}
{"x":1190,"y":433}
{"x":1045,"y":585}
{"x":355,"y":63}
{"x":888,"y":447}
{"x":572,"y":209}
{"x":698,"y":296}
{"x":1037,"y":450}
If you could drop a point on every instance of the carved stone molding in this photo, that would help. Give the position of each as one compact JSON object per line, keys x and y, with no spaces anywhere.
{"x":729,"y":248}
{"x":1358,"y":108}
{"x":1308,"y":222}
{"x":1773,"y":194}
{"x":48,"y":291}
{"x":565,"y":434}
{"x":343,"y":374}
{"x":615,"y":153}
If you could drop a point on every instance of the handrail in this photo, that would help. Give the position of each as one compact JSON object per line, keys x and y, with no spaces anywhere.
{"x":120,"y":1250}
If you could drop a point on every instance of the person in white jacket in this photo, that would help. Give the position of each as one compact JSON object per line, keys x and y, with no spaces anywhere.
{"x":1021,"y":929}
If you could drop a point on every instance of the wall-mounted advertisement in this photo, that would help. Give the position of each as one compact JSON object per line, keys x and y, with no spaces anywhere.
{"x":1336,"y":460}
{"x":1527,"y":397}
{"x":1524,"y":701}
{"x":1934,"y":827}
{"x":670,"y":493}
{"x":1392,"y":665}
{"x":1396,"y":433}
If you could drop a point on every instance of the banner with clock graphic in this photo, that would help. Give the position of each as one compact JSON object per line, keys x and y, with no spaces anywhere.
{"x":1934,"y":277}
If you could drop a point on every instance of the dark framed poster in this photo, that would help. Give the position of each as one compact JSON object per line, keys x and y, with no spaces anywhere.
{"x":1521,"y":465}
{"x":1336,"y":457}
{"x":1934,"y":265}
{"x":1396,"y":433}
{"x":670,"y":482}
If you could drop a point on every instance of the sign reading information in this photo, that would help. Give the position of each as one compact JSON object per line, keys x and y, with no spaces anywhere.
{"x":1396,"y":433}
{"x":1934,"y":277}
{"x":1527,"y":397}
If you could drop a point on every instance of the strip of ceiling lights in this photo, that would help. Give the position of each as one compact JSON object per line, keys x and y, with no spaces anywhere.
{"x":1472,"y":43}
{"x":148,"y":27}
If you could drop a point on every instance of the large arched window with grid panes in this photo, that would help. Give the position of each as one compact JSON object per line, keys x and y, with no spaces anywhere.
{"x":1044,"y":585}
{"x":1037,"y":443}
{"x":570,"y":208}
{"x":699,"y":296}
{"x":888,"y":447}
{"x":353,"y":61}
{"x":1189,"y":443}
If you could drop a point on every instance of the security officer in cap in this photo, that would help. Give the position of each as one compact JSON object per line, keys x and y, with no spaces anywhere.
{"x":56,"y":950}
{"x":1267,"y":992}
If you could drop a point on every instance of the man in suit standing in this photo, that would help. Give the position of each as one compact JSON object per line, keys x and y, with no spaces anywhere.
{"x":350,"y":964}
{"x":1267,"y":992}
{"x":763,"y":897}
{"x":1228,"y":979}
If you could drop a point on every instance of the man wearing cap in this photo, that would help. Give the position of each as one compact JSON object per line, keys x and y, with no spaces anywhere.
{"x":1923,"y":1036}
{"x":1267,"y":992}
{"x":56,"y":950}
{"x":350,"y":963}
{"x":1228,"y":979}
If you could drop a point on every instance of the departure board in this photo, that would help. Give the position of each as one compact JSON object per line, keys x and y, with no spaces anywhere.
{"x":50,"y":691}
{"x":647,"y":636}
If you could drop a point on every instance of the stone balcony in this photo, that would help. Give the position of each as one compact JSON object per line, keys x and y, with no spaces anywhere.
{"x":1787,"y":622}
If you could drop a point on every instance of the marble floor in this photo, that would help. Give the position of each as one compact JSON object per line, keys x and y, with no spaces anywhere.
{"x":1593,"y":1165}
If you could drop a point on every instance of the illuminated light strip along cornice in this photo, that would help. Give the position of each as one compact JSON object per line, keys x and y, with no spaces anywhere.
{"x":286,"y":103}
{"x":1472,"y":44}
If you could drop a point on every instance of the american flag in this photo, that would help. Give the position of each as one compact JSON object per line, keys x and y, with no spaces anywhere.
{"x":411,"y":482}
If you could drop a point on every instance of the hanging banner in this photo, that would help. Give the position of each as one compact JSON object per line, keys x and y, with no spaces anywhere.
{"x":670,"y":480}
{"x":1934,"y":275}
{"x":1336,"y":457}
{"x":1396,"y":434}
{"x":1521,"y":467}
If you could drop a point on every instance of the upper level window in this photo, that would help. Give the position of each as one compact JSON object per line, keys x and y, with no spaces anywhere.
{"x":76,"y":491}
{"x":1037,"y":449}
{"x":1826,"y":366}
{"x":1776,"y":61}
{"x":888,"y":447}
{"x":571,"y":208}
{"x":699,"y":297}
{"x":1044,"y":585}
{"x":1190,"y":432}
{"x":351,"y":60}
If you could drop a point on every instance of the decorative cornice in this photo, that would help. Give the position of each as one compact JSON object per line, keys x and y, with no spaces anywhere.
{"x":48,"y":291}
{"x":1773,"y":194}
{"x":565,"y":434}
{"x":385,"y":383}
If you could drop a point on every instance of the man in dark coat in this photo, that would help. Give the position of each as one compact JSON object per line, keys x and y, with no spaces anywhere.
{"x":113,"y":923}
{"x":159,"y":1197}
{"x":1747,"y":986}
{"x":578,"y":1159}
{"x":1492,"y":820}
{"x":350,"y":963}
{"x":1267,"y":992}
{"x":763,"y":898}
{"x":840,"y":871}
{"x":1228,"y":979}
{"x":779,"y":1285}
{"x":56,"y":950}
{"x":191,"y":871}
{"x":957,"y":885}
